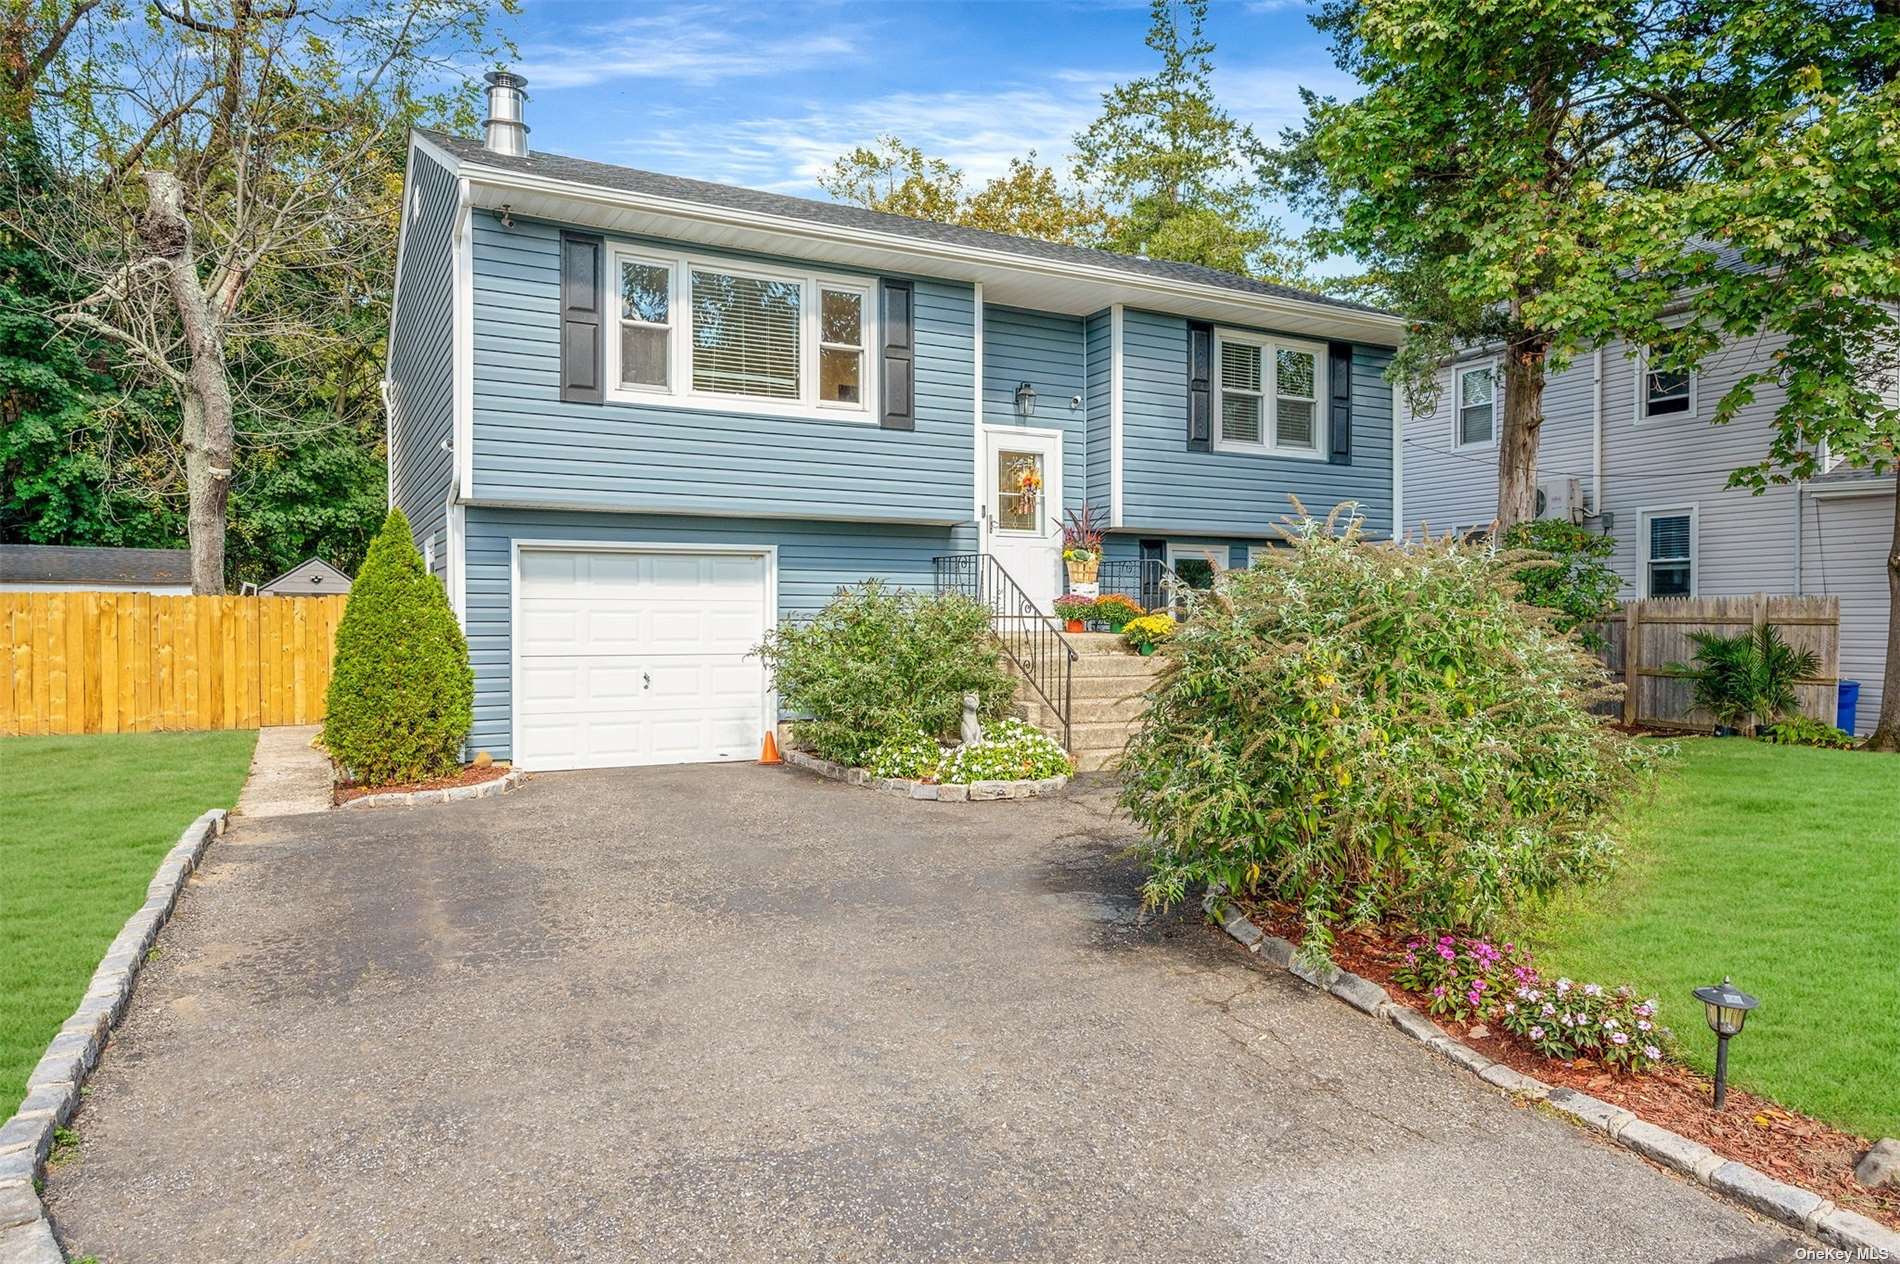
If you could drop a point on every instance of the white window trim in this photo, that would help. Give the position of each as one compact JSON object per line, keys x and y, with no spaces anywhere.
{"x":1218,"y":554}
{"x":1256,"y":551}
{"x":1640,"y":395}
{"x":1644,"y":559}
{"x":1269,"y":443}
{"x":1458,"y":376}
{"x":680,"y":392}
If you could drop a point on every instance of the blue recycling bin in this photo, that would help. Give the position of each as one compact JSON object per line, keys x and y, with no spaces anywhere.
{"x":1846,"y":703}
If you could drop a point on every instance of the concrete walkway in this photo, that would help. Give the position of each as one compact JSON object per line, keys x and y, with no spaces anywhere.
{"x":736,"y":1013}
{"x":289,"y":776}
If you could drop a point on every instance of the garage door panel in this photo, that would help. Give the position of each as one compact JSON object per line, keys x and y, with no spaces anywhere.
{"x":639,"y":658}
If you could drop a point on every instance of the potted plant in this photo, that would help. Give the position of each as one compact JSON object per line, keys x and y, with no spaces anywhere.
{"x":1081,"y":545}
{"x":1746,"y":680}
{"x":1114,"y":611}
{"x":1072,"y":609}
{"x":1148,"y":631}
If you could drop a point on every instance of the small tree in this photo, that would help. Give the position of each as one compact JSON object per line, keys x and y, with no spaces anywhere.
{"x":402,"y":695}
{"x":1570,"y":577}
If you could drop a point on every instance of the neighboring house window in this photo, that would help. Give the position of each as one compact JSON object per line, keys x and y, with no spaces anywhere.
{"x":1477,"y":404}
{"x":1278,"y":412}
{"x":1665,"y":393}
{"x":1669,"y":561}
{"x":646,"y":324}
{"x":703,"y":332}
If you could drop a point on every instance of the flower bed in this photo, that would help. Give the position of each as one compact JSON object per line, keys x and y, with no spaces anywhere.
{"x":918,"y":788}
{"x":471,"y":782}
{"x":1785,"y":1144}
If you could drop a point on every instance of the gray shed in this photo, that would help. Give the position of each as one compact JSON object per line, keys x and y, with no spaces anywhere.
{"x":313,"y":578}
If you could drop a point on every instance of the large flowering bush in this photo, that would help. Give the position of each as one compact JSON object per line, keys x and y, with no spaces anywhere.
{"x":1469,"y":978}
{"x":1370,"y":732}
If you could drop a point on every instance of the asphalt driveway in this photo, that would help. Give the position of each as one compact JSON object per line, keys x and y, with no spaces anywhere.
{"x":738,"y":1013}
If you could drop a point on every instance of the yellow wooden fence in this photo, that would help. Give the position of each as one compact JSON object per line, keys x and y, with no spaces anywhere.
{"x":115,"y":662}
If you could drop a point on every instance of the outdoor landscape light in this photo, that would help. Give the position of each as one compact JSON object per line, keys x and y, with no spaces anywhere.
{"x":1727,"y":1007}
{"x":1025,"y":400}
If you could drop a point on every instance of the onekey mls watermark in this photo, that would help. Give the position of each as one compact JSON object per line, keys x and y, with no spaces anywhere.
{"x":1857,"y":1254}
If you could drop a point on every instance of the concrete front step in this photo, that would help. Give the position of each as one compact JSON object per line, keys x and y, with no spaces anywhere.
{"x":1085,"y":710}
{"x":1097,"y":643}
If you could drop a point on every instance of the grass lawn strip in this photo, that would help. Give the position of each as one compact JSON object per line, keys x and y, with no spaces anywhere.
{"x":84,"y":823}
{"x":1779,"y":866}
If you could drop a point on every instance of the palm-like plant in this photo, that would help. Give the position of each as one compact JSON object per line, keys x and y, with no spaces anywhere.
{"x":1749,"y":678}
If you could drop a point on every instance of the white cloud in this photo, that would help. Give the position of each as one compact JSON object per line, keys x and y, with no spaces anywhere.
{"x":698,"y":45}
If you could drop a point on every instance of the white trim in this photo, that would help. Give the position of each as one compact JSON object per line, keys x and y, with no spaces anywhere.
{"x":1381,"y":328}
{"x":456,"y":519}
{"x":1643,"y":559}
{"x":1854,"y":491}
{"x":706,"y":511}
{"x":1458,"y":374}
{"x":680,"y":393}
{"x":1115,"y":331}
{"x":1400,"y":421}
{"x":978,"y":500}
{"x":1269,"y":444}
{"x":1640,"y":414}
{"x":1219,"y":555}
{"x":463,"y":394}
{"x":1596,"y":433}
{"x":516,"y":545}
{"x":389,"y":446}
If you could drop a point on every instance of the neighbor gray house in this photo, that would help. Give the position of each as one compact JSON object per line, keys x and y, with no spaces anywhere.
{"x":1631,"y":453}
{"x":635,"y":420}
{"x":83,"y":568}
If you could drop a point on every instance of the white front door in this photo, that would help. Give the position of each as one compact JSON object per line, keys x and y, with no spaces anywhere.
{"x":627,"y":657}
{"x":1022,"y":525}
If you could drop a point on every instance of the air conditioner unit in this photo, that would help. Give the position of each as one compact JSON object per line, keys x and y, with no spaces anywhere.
{"x":1560,"y":498}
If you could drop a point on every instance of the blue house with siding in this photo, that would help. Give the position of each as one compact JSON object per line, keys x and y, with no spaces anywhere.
{"x":635,"y":420}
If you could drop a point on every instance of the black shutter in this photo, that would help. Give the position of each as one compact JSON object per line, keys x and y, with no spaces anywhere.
{"x":1200,"y":358}
{"x":1339,"y":361}
{"x":899,"y":388}
{"x":581,"y":317}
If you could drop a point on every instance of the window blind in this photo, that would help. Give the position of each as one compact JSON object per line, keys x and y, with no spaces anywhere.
{"x":745,"y":335}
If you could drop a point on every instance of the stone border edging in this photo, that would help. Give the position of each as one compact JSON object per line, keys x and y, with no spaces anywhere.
{"x":1791,"y":1205}
{"x":52,"y":1090}
{"x":904,"y":788}
{"x":453,"y":794}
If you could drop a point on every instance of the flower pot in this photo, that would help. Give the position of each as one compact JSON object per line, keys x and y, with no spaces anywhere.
{"x":1083,"y":572}
{"x":1072,"y":625}
{"x":1145,"y":649}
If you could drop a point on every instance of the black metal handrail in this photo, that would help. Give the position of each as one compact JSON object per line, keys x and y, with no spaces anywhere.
{"x":1148,"y":581}
{"x":1032,"y":639}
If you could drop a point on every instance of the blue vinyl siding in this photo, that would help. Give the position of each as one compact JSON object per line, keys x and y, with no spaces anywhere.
{"x":421,"y":371}
{"x":814,"y":559}
{"x":1167,"y":489}
{"x":531,"y":447}
{"x":1098,"y":359}
{"x":1045,"y":350}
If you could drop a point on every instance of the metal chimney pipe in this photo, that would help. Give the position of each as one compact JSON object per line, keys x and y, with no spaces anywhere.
{"x":503,"y":132}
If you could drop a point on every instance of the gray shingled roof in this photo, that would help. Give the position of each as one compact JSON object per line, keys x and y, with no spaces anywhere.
{"x":840,"y":215}
{"x":61,"y":564}
{"x":1848,"y":474}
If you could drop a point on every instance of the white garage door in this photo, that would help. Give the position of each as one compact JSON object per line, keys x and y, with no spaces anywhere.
{"x":629,"y":658}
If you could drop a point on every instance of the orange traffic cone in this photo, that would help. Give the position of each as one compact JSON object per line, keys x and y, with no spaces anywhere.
{"x":769,"y":753}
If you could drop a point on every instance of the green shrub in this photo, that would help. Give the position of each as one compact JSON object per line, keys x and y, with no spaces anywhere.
{"x":912,"y":755}
{"x":1803,"y":730}
{"x":401,"y":693}
{"x":1010,"y":751}
{"x":1747,"y":679}
{"x":1371,"y":733}
{"x":877,"y":663}
{"x":1567,"y":572}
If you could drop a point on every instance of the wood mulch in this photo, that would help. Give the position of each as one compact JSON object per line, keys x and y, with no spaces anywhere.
{"x":469,"y":776}
{"x":1785,"y":1144}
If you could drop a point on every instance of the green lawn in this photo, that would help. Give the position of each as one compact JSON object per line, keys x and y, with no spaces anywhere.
{"x":1779,"y":866}
{"x":84,"y":822}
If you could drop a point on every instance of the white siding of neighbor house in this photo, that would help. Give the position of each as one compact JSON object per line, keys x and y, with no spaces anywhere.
{"x":1844,"y":543}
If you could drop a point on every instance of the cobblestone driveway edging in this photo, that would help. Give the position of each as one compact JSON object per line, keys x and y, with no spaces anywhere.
{"x":904,"y":788}
{"x":52,"y":1091}
{"x":1793,"y":1206}
{"x":454,"y":794}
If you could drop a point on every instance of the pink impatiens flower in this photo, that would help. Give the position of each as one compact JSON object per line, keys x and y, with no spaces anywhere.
{"x":1537,"y":1033}
{"x":1618,"y":1038}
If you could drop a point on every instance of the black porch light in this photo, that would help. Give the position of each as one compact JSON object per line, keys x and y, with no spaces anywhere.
{"x":1025,"y":400}
{"x":1727,"y":1007}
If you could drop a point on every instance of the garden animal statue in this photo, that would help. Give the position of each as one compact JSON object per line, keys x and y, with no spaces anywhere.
{"x":972,"y":727}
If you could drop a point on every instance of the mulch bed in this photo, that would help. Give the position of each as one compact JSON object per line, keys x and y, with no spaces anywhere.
{"x":469,"y":776}
{"x":1785,"y":1144}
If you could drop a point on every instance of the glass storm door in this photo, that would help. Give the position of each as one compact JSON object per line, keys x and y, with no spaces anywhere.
{"x":1021,"y":527}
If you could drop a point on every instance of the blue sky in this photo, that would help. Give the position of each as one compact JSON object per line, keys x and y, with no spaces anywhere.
{"x":767,"y":94}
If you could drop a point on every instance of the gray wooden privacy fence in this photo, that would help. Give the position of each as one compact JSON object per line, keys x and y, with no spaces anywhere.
{"x":1648,"y":639}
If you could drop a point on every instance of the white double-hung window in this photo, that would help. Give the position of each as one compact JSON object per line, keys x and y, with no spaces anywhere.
{"x":1476,"y":405}
{"x":719,"y":334}
{"x":1270,"y":400}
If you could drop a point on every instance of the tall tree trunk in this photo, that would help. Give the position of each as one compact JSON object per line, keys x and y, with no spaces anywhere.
{"x":210,"y":437}
{"x":1518,"y":437}
{"x":1886,"y":736}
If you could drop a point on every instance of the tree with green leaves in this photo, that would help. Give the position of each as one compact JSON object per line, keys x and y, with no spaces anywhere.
{"x":1183,"y":179}
{"x":1507,"y":181}
{"x":1026,"y":201}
